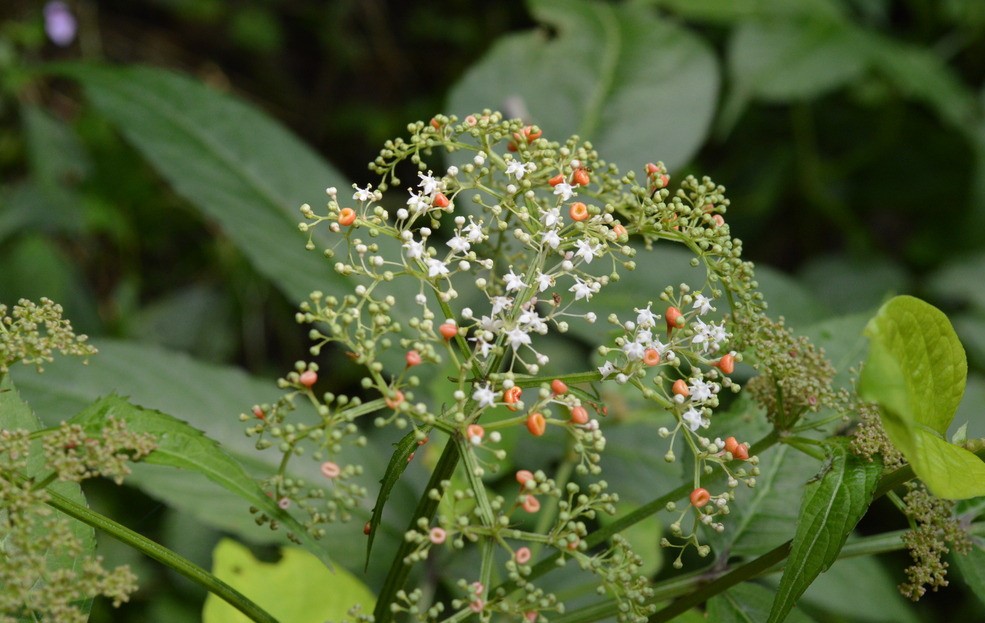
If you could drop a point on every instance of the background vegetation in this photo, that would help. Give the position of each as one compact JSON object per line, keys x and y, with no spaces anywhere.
{"x":850,"y":134}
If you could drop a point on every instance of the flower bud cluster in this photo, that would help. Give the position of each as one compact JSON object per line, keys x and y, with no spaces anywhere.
{"x":463,"y":275}
{"x":34,"y":331}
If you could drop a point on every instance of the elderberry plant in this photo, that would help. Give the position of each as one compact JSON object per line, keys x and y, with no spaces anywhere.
{"x":482,"y":260}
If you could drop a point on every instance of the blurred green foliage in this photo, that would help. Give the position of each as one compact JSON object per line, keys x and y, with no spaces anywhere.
{"x":850,"y":134}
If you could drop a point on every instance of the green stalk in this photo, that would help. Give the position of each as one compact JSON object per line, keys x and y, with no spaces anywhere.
{"x":163,"y":555}
{"x":397,"y":576}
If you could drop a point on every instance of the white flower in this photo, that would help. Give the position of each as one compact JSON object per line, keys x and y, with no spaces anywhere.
{"x":702,"y":303}
{"x":363,"y":194}
{"x":414,"y":249}
{"x":633,"y":350}
{"x":484,"y":396}
{"x":700,"y":390}
{"x":606,"y":369}
{"x":551,"y":238}
{"x":692,"y":417}
{"x":473,"y":232}
{"x":428,"y":184}
{"x":586,"y":250}
{"x":566,"y":191}
{"x":543,"y":281}
{"x":583,"y":289}
{"x":499,"y":303}
{"x":519,"y":169}
{"x":513,"y":281}
{"x":530,"y":320}
{"x":482,"y":346}
{"x":417,"y":203}
{"x":517,"y":337}
{"x":552,"y":217}
{"x":458,"y":244}
{"x":645,"y":318}
{"x":436,"y":268}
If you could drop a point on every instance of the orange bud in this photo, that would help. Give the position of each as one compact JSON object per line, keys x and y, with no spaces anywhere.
{"x":511,"y":396}
{"x":524,"y":476}
{"x":557,"y":179}
{"x":675,"y":319}
{"x":726,"y":364}
{"x":578,"y":211}
{"x":448,"y":330}
{"x":619,"y":230}
{"x":347,"y":216}
{"x":700,"y":497}
{"x":579,"y":415}
{"x":719,"y":220}
{"x":536,"y":424}
{"x":441,"y":201}
{"x":308,"y":378}
{"x":741,"y":452}
{"x":559,"y":387}
{"x":530,"y":504}
{"x":680,"y":388}
{"x":475,"y":433}
{"x":413,"y":358}
{"x":394,"y":401}
{"x":580,"y":177}
{"x":730,"y":445}
{"x":435,"y":123}
{"x":651,"y":357}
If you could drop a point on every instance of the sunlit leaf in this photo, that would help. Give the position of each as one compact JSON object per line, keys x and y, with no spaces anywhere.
{"x":296,"y":589}
{"x":916,"y":371}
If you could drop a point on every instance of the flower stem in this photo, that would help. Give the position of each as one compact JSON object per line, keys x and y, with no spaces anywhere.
{"x":163,"y":555}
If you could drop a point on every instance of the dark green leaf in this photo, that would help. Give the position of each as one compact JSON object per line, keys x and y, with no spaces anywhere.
{"x":399,"y":460}
{"x":184,"y":447}
{"x":831,"y":506}
{"x":641,"y":89}
{"x":746,"y":603}
{"x":235,"y":164}
{"x":972,"y":569}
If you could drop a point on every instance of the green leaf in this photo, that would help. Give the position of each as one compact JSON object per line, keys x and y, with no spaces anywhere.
{"x":640,"y":88}
{"x":746,"y":603}
{"x":972,"y":568}
{"x":16,"y":414}
{"x":864,"y":575}
{"x":399,"y":461}
{"x":916,"y":371}
{"x":181,"y":446}
{"x":779,"y":61}
{"x":235,"y":164}
{"x":830,"y":508}
{"x":209,"y":398}
{"x":295,"y":589}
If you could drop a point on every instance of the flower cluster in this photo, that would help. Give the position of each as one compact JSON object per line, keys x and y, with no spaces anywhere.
{"x":35,"y":584}
{"x":33,"y":332}
{"x":466,"y":276}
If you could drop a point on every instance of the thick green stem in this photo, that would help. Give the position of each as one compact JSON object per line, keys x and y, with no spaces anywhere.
{"x":163,"y":555}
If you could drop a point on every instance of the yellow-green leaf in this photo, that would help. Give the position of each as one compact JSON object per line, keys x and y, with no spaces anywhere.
{"x":295,"y":589}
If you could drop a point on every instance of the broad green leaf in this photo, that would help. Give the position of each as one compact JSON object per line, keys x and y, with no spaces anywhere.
{"x":209,"y":398}
{"x":916,"y":371}
{"x":16,"y":414}
{"x":295,"y":589}
{"x":831,"y":506}
{"x":864,"y":575}
{"x":640,"y":88}
{"x":746,"y":603}
{"x":972,"y":569}
{"x":181,"y":446}
{"x":235,"y":164}
{"x":787,"y":60}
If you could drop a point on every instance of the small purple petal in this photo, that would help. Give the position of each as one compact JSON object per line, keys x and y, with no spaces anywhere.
{"x":59,"y":23}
